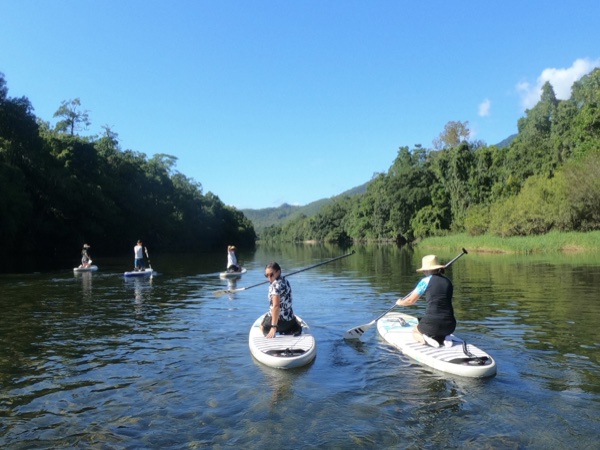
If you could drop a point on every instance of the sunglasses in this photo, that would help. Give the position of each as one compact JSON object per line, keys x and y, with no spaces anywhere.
{"x":269,"y":275}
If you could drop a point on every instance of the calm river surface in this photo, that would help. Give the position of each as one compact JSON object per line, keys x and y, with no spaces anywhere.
{"x":99,"y":361}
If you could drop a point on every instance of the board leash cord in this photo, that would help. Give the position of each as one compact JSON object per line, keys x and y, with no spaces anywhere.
{"x":476,"y":358}
{"x":292,"y":352}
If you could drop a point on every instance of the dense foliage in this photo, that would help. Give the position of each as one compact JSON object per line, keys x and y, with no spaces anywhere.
{"x":547,"y":178}
{"x":59,"y":190}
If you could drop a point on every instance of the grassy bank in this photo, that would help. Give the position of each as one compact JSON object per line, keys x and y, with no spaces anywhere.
{"x":548,"y":243}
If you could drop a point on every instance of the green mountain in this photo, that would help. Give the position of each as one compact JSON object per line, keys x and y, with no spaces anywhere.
{"x":265,"y":217}
{"x":506,"y":142}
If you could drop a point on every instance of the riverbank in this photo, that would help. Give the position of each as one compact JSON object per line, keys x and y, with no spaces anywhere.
{"x":554,"y":242}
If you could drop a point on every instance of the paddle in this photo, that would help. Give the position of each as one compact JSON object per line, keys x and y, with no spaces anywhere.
{"x":149,"y":264}
{"x":233,"y":291}
{"x":357,"y":332}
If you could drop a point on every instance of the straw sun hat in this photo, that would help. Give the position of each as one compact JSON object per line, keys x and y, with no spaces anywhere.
{"x":430,"y":262}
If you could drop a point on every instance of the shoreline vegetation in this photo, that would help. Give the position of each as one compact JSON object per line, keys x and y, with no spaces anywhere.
{"x":553,"y":242}
{"x":537,"y":193}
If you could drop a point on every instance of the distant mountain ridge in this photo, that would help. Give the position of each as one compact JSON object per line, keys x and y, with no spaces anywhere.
{"x":506,"y":142}
{"x":265,"y":217}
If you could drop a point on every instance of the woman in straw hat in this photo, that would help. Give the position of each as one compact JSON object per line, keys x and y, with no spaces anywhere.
{"x":438,"y":321}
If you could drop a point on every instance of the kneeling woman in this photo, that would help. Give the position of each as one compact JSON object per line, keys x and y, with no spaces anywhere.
{"x":280,"y":318}
{"x":438,"y":321}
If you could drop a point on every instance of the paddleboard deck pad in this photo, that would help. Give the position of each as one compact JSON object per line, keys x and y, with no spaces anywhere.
{"x":282,"y":351}
{"x":461,"y":358}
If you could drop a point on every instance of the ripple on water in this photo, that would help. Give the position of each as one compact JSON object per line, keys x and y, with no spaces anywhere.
{"x":100,"y":362}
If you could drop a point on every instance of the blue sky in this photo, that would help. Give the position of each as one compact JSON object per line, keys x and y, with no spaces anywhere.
{"x":266,"y":102}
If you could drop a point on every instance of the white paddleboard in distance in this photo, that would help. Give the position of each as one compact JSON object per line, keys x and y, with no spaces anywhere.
{"x":233,"y":274}
{"x":85,"y":269}
{"x":140,"y":273}
{"x":461,"y":358}
{"x":282,"y":351}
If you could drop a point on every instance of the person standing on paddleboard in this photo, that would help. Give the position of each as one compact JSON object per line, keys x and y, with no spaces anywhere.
{"x":280,"y":318}
{"x":86,"y":259}
{"x":438,"y":321}
{"x":138,"y":252}
{"x":232,"y":264}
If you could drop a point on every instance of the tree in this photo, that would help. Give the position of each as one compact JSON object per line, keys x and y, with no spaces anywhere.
{"x":586,"y":124}
{"x":583,"y":182}
{"x":73,"y":119}
{"x":531,"y":153}
{"x":454,"y":168}
{"x":454,"y":133}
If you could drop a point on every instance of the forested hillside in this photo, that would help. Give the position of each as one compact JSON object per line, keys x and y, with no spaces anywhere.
{"x":59,"y":189}
{"x":545,"y":178}
{"x":267,"y":217}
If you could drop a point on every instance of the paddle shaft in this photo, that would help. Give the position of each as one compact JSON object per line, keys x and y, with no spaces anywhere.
{"x":287,"y":275}
{"x":381,"y":315}
{"x":464,"y":252}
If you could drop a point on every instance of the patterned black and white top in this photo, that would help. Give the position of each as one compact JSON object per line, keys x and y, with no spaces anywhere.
{"x":282,"y":288}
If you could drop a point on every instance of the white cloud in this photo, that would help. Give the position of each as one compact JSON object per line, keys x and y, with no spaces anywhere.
{"x":561,"y":80}
{"x":484,"y":108}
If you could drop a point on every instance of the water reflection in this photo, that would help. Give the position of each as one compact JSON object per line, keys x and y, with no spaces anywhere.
{"x":86,"y":284}
{"x":142,"y":290}
{"x":231,"y":285}
{"x":280,"y":382}
{"x":97,"y":361}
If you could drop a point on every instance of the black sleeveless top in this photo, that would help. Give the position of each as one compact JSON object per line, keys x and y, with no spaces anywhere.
{"x":439,"y":320}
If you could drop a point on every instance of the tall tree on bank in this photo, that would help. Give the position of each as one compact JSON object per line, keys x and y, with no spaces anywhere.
{"x":531,"y":152}
{"x":455,"y":133}
{"x":72,"y":117}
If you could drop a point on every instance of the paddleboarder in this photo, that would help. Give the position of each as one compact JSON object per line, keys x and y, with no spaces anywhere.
{"x":138,"y":252}
{"x":86,"y":260}
{"x":280,"y":318}
{"x":232,"y":264}
{"x":438,"y":321}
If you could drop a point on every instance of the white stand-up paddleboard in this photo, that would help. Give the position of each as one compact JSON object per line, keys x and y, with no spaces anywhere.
{"x":85,"y":269}
{"x":140,"y":273}
{"x":282,"y":351}
{"x":459,"y":359}
{"x":233,"y":274}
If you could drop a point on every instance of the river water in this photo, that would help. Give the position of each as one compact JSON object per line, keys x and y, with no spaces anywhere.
{"x":99,"y":361}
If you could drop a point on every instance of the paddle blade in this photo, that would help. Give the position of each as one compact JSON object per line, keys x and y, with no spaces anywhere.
{"x":220,"y":293}
{"x":227,"y":291}
{"x":357,"y":332}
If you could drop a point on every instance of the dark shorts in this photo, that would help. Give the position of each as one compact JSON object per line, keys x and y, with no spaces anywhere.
{"x":283,"y":326}
{"x":437,"y":329}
